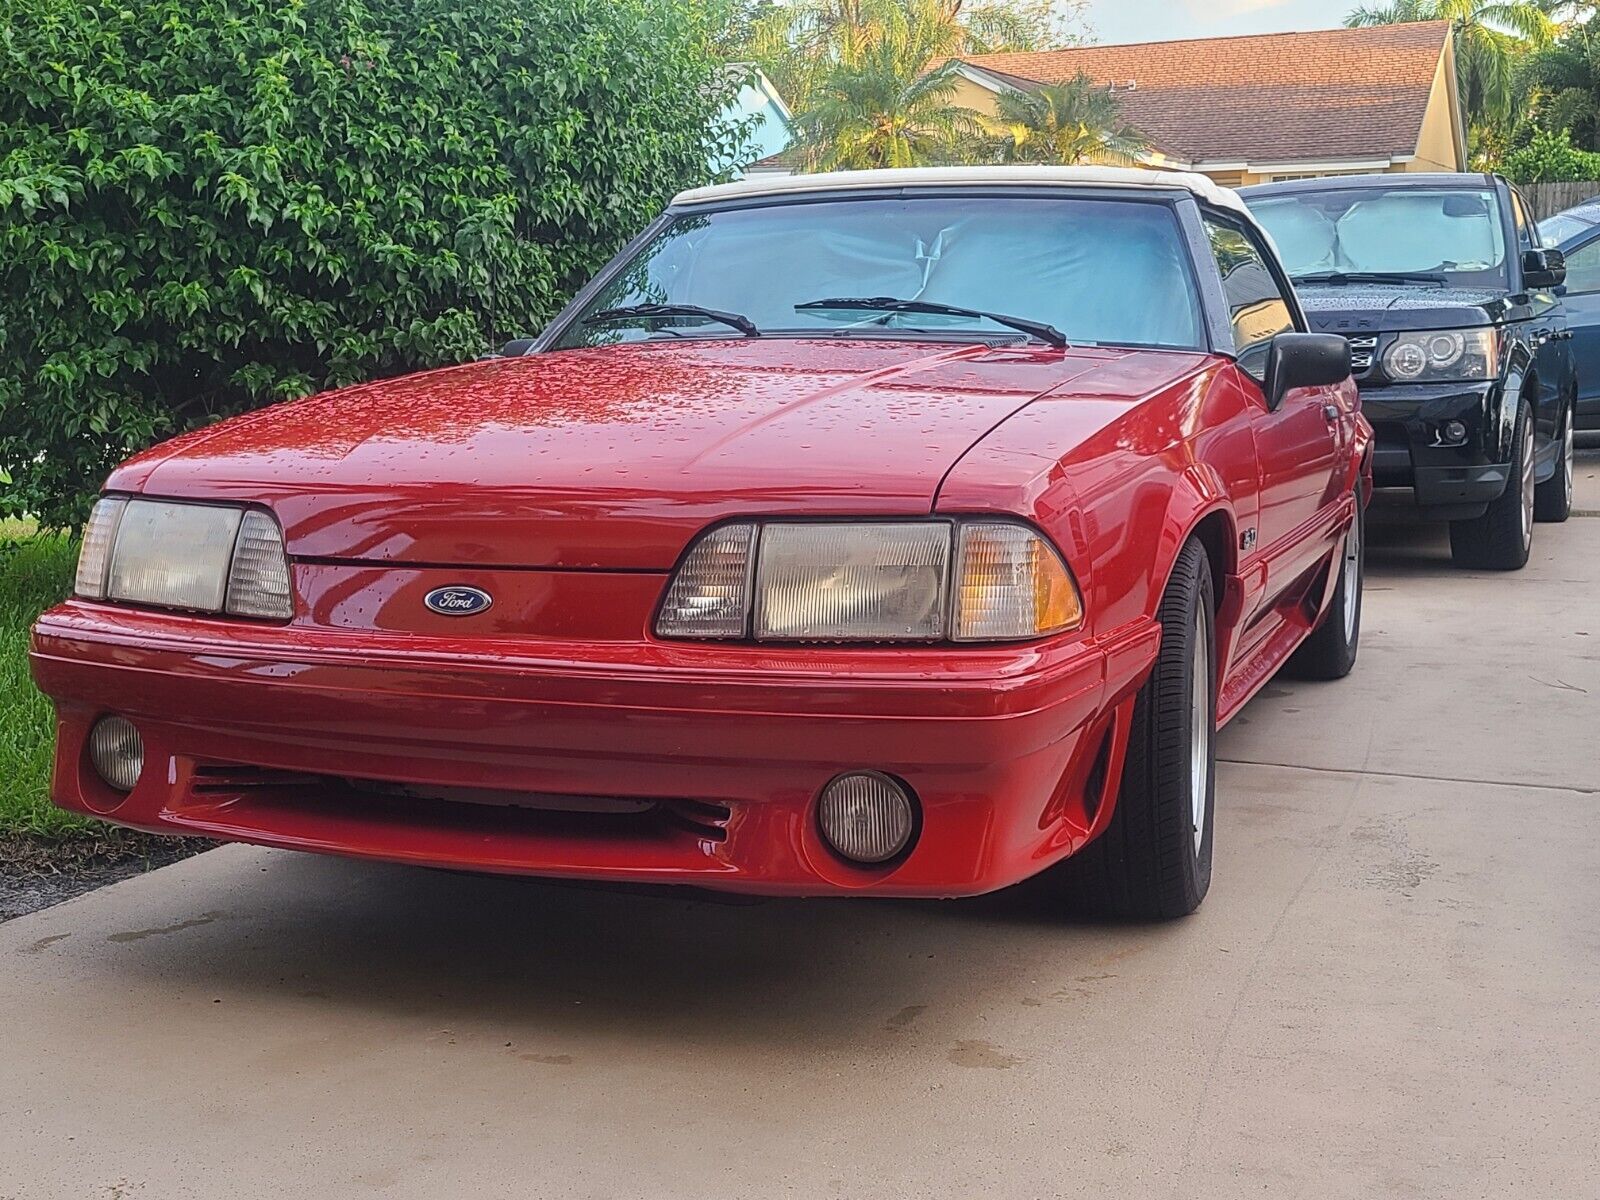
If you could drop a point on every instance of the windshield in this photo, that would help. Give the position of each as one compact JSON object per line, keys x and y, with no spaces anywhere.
{"x":1455,"y":233}
{"x":1099,"y":271}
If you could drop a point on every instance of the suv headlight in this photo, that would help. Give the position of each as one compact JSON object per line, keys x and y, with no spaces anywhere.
{"x":215,"y":558}
{"x":1443,"y":354}
{"x":879,"y":581}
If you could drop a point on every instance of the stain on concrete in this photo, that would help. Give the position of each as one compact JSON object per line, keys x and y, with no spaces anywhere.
{"x":550,"y":1060}
{"x":1395,"y":866}
{"x":35,"y":947}
{"x":905,"y":1016}
{"x":138,"y":935}
{"x":982,"y":1055}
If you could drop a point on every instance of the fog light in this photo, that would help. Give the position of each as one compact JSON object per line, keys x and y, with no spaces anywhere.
{"x":117,"y":752}
{"x":1452,"y":433}
{"x":867,"y":817}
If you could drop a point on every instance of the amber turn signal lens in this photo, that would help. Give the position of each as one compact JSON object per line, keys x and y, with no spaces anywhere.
{"x":1011,"y":584}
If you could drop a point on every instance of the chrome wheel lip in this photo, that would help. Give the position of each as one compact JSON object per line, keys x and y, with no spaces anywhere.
{"x":1352,"y":578}
{"x":1200,"y":730}
{"x":1527,"y":484}
{"x":1568,"y":449}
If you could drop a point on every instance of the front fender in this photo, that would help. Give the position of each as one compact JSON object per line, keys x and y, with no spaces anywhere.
{"x":1199,"y":498}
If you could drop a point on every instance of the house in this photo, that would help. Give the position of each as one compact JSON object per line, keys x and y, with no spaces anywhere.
{"x":771,"y":127}
{"x":1272,"y":106}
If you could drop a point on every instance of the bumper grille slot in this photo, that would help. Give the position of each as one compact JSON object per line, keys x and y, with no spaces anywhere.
{"x":238,"y":787}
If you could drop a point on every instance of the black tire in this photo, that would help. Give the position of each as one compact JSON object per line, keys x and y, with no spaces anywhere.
{"x":1501,"y":538}
{"x":1330,"y":652}
{"x":1552,"y":499}
{"x":1146,"y":865}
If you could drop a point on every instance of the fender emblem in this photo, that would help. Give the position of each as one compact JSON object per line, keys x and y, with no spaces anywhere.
{"x":458,"y":600}
{"x":1247,"y":539}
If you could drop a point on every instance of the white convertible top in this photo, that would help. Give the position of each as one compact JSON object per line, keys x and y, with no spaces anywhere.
{"x":840,"y":181}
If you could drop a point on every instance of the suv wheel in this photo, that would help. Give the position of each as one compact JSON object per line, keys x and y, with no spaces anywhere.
{"x":1153,"y":861}
{"x":1330,"y":652}
{"x":1501,"y":538}
{"x":1552,"y":500}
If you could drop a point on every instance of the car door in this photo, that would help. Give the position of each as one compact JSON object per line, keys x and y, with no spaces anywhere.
{"x":1297,"y":444}
{"x":1548,"y":330}
{"x":1582,"y":301}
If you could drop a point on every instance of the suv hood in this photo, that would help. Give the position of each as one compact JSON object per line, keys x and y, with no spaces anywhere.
{"x":1357,"y":308}
{"x":614,"y":458}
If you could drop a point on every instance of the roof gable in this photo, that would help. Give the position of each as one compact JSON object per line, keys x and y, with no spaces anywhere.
{"x":1269,"y":98}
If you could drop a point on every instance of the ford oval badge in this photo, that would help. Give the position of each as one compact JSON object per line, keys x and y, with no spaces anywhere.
{"x":458,"y":601}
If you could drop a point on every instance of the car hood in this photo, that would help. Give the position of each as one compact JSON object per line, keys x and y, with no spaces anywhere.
{"x":613,"y":458}
{"x":1357,"y":308}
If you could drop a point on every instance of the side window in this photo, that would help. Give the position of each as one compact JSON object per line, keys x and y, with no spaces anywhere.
{"x":1583,"y":270}
{"x":1256,"y":305}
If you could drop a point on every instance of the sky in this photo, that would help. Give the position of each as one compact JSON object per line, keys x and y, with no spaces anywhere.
{"x":1166,"y":20}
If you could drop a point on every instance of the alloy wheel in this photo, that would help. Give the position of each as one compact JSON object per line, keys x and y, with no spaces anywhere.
{"x":1200,"y":729}
{"x":1568,"y":448}
{"x":1352,"y":578}
{"x":1527,"y":483}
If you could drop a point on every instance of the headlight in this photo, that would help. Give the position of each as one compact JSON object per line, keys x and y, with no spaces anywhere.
{"x":207,"y":557}
{"x":882,"y":581}
{"x":1443,"y":354}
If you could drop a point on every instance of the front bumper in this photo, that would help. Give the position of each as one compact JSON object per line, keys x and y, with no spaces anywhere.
{"x":1414,"y":466}
{"x":292,"y":738}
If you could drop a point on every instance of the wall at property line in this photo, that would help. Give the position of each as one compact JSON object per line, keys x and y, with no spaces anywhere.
{"x":1547,"y":199}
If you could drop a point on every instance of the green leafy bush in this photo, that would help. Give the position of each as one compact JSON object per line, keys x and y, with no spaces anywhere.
{"x":207,"y":205}
{"x":1550,"y":157}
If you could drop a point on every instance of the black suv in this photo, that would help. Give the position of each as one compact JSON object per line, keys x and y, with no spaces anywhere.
{"x":1458,"y":338}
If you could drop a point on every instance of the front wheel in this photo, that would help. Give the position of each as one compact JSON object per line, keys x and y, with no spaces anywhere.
{"x":1153,"y":861}
{"x":1552,"y":500}
{"x":1330,"y":652}
{"x":1501,"y":539}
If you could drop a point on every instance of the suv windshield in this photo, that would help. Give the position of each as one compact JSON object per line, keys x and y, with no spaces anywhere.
{"x":1100,"y":271}
{"x":1454,"y":234}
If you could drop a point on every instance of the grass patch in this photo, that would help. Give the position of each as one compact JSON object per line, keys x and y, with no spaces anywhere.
{"x":35,"y":572}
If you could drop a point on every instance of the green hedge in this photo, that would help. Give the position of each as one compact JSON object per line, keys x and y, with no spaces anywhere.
{"x":205,"y":206}
{"x":1550,"y":157}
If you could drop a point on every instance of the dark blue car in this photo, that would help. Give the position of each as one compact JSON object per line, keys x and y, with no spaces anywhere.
{"x":1576,"y":233}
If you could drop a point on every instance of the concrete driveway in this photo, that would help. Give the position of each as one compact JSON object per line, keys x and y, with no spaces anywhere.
{"x":1391,"y":992}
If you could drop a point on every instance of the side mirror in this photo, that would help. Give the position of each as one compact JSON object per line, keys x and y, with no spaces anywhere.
{"x":1302,"y":360}
{"x":1543,"y":269}
{"x":517,"y":347}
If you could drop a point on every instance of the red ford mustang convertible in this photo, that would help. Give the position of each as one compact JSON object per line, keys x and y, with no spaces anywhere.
{"x":903,"y":533}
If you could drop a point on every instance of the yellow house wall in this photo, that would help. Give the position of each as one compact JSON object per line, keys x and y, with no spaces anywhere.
{"x":1437,"y":147}
{"x":971,"y":95}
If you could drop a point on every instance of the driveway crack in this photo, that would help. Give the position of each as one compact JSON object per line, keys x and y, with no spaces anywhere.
{"x":1580,"y":789}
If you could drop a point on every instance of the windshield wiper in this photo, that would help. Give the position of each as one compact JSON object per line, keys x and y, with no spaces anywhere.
{"x":1370,"y":277}
{"x":743,"y":324}
{"x":1038,"y":329}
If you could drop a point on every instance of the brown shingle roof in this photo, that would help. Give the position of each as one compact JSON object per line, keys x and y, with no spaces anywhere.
{"x":1271,"y":98}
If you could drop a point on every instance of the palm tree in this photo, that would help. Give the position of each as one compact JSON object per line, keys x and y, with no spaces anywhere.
{"x":1074,"y":121}
{"x":799,"y":42}
{"x":874,"y":103}
{"x":885,"y":111}
{"x":1488,"y":38}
